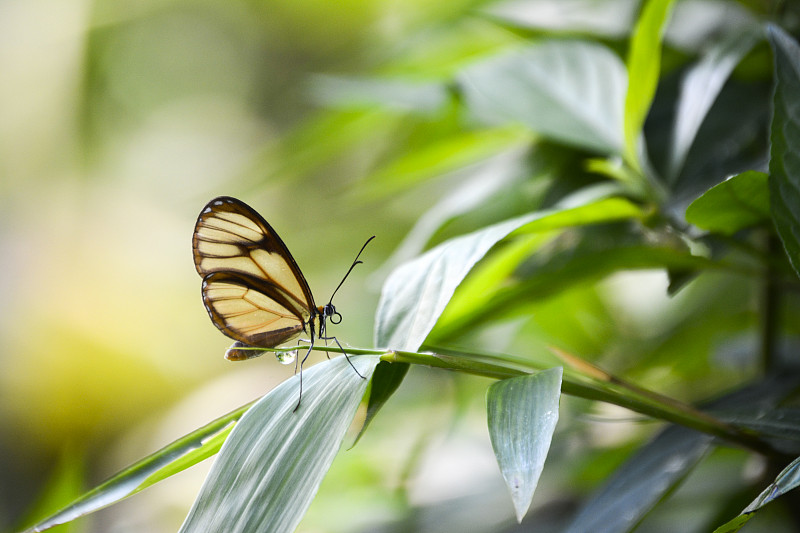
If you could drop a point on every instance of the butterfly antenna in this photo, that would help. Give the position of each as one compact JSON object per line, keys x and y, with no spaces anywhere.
{"x":355,"y":262}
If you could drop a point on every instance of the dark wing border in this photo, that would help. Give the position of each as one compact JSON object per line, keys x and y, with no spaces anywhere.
{"x":270,"y":242}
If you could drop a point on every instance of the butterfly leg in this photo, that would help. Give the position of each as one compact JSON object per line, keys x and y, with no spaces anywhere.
{"x":308,"y":352}
{"x":326,"y":339}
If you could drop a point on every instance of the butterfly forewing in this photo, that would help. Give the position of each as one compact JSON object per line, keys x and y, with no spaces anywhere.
{"x":231,"y":237}
{"x":252,"y":288}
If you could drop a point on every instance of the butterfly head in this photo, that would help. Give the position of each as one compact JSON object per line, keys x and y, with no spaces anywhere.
{"x":329,"y":312}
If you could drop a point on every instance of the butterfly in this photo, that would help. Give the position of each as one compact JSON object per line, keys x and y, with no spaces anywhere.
{"x":252,"y":288}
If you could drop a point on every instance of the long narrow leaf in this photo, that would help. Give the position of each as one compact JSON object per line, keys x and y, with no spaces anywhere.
{"x":699,"y":89}
{"x":522,"y":414}
{"x":644,"y":64}
{"x":171,"y":459}
{"x":658,"y":467}
{"x":272,"y":464}
{"x":788,"y":479}
{"x":784,"y":164}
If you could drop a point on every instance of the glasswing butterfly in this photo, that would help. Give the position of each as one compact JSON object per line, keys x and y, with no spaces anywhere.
{"x":252,"y":288}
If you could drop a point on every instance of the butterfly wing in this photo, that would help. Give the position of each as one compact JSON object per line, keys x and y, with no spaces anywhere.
{"x":253,"y":289}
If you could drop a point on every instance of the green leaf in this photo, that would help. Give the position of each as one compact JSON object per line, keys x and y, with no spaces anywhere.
{"x":570,"y":91}
{"x":65,"y":483}
{"x":644,"y":64}
{"x":642,"y":481}
{"x":658,"y":467}
{"x":739,"y":202}
{"x":480,"y":287}
{"x":438,"y":157}
{"x":416,"y":293}
{"x":271,"y":465}
{"x":522,"y":415}
{"x":385,"y":380}
{"x":784,"y":164}
{"x":734,"y":525}
{"x":171,"y":459}
{"x":609,"y":18}
{"x":788,"y":479}
{"x":699,"y":89}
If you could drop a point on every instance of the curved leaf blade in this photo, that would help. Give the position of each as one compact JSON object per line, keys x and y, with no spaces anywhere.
{"x":385,"y":380}
{"x":737,"y":203}
{"x":644,"y":65}
{"x":522,"y":415}
{"x":570,"y":91}
{"x":415,"y":294}
{"x":787,"y":480}
{"x":272,"y":464}
{"x":171,"y":459}
{"x":699,"y":89}
{"x":784,"y":164}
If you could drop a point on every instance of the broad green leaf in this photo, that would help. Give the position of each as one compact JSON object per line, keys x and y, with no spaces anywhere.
{"x":271,"y":465}
{"x":416,"y":293}
{"x":504,"y":300}
{"x":779,"y":426}
{"x":609,"y":18}
{"x":644,"y":64}
{"x":788,"y":479}
{"x":570,"y":91}
{"x":480,"y":287}
{"x":784,"y":164}
{"x":522,"y":415}
{"x":171,"y":459}
{"x":699,"y":89}
{"x":739,"y":202}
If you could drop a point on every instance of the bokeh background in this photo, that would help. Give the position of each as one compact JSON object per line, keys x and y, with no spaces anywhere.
{"x":120,"y":120}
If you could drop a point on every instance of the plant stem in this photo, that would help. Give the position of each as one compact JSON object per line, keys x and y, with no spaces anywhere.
{"x":580,"y":386}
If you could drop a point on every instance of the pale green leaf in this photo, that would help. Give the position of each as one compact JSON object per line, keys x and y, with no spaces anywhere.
{"x":271,"y":465}
{"x":570,"y":91}
{"x":175,"y":457}
{"x":522,"y":415}
{"x":416,"y":293}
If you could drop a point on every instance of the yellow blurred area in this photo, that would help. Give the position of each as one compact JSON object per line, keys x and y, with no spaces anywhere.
{"x":118,"y":122}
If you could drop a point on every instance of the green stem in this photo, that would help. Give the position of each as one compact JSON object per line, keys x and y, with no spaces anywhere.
{"x":672,"y":411}
{"x":578,"y":385}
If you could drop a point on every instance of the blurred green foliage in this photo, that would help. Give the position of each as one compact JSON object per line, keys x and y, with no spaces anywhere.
{"x":417,"y":122}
